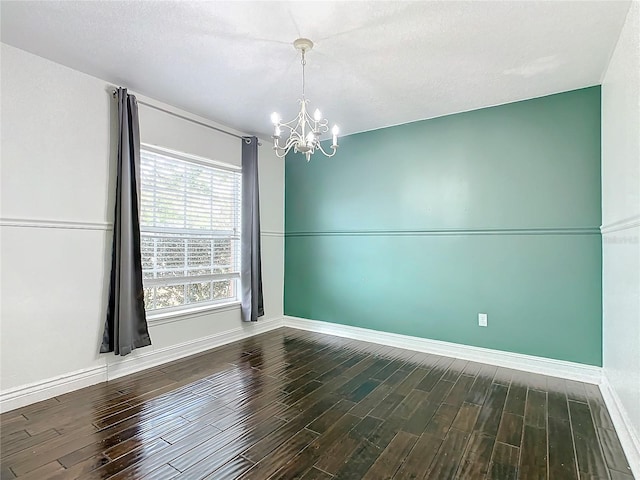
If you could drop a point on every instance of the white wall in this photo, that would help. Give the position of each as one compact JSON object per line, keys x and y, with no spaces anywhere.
{"x":621,"y":227}
{"x":57,"y":175}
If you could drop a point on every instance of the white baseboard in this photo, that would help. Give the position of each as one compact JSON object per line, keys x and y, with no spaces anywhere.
{"x":629,"y":438}
{"x":139,"y":360}
{"x":528,"y":363}
{"x":36,"y":392}
{"x":153,"y":358}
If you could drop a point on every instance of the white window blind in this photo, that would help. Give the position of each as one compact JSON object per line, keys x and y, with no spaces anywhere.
{"x":190,"y":231}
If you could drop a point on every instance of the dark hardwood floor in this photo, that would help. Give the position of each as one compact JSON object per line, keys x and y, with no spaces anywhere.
{"x":293,"y":404}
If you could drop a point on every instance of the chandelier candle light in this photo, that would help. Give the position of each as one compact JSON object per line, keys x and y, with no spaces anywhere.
{"x":304,"y":131}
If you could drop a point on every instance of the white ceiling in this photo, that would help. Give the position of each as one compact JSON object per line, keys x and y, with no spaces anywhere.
{"x":374,"y":64}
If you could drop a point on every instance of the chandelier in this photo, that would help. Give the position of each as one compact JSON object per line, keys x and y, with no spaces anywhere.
{"x":303,"y":131}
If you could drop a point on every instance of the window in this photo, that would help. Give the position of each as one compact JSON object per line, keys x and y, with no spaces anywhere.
{"x":190,"y":230}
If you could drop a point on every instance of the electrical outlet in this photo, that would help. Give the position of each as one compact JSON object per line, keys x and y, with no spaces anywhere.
{"x":482,"y":319}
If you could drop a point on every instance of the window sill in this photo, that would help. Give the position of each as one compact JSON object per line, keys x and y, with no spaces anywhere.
{"x":178,"y":315}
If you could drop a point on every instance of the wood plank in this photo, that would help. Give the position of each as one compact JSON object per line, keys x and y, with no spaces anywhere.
{"x":363,"y":407}
{"x":455,"y":370}
{"x":598,"y":408}
{"x":408,"y":405}
{"x":146,"y":466}
{"x":274,"y":460}
{"x":588,"y":450}
{"x":434,"y":376}
{"x":178,"y":434}
{"x":398,"y":377}
{"x":326,"y":390}
{"x":576,"y":391}
{"x":491,"y":411}
{"x":557,"y":406}
{"x":333,"y":458}
{"x":366,"y":453}
{"x":241,"y":435}
{"x":17,"y":444}
{"x":10,"y":437}
{"x":392,"y":457}
{"x":122,"y":442}
{"x":445,"y":464}
{"x":361,"y":377}
{"x":79,"y":469}
{"x":535,"y":414}
{"x":562,"y":459}
{"x":326,"y":420}
{"x":441,"y":421}
{"x":412,"y":380}
{"x":533,"y":455}
{"x":503,"y":376}
{"x":45,"y":471}
{"x":480,"y":388}
{"x":459,"y":391}
{"x":615,"y":475}
{"x":387,"y":371}
{"x":504,"y":465}
{"x":166,"y":472}
{"x":261,"y":449}
{"x":418,"y":460}
{"x":420,"y":418}
{"x":516,"y":399}
{"x":536,"y":382}
{"x":322,"y":446}
{"x":362,"y":390}
{"x":466,"y":417}
{"x":387,"y":405}
{"x":126,"y":461}
{"x":315,"y":474}
{"x":27,"y":460}
{"x":476,"y":458}
{"x":510,"y":431}
{"x":6,"y":473}
{"x":613,"y":453}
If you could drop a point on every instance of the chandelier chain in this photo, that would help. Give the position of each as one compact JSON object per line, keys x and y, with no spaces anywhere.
{"x":304,"y":62}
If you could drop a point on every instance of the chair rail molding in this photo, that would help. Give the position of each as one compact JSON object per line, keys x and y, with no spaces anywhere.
{"x":62,"y":224}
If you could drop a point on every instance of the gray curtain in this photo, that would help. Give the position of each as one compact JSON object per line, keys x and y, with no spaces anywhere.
{"x":126,"y":325}
{"x":251,"y":266}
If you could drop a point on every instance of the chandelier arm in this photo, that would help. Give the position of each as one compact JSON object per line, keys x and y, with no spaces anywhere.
{"x":323,"y":126}
{"x":281,"y":152}
{"x":286,"y":125}
{"x":333,"y":147}
{"x":287,"y":146}
{"x":292,"y":140}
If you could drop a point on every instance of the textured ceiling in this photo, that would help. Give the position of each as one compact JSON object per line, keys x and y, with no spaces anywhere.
{"x":375,"y":64}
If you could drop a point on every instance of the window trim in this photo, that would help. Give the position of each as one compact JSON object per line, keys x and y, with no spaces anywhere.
{"x":159,"y":317}
{"x":180,"y":312}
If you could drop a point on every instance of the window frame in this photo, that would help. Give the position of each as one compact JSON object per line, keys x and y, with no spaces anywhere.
{"x":168,"y":314}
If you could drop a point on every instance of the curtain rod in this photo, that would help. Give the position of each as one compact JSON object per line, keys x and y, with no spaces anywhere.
{"x":115,"y":92}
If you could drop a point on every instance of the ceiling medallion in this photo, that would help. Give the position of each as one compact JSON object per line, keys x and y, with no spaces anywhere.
{"x":303,"y":131}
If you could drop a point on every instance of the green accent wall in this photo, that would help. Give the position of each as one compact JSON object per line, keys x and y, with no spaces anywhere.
{"x":415,"y":229}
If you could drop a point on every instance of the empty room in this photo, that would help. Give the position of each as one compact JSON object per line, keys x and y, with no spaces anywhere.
{"x":320,"y":240}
